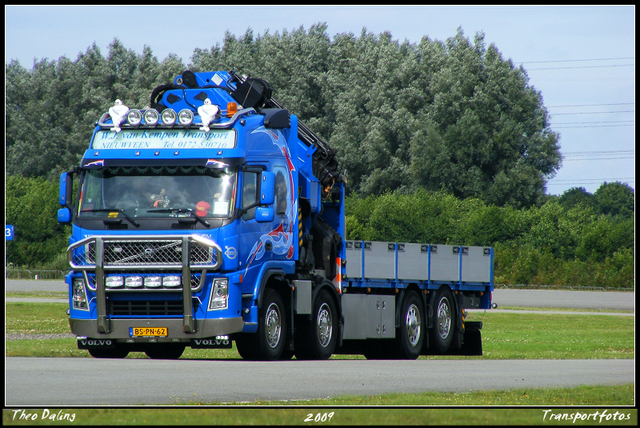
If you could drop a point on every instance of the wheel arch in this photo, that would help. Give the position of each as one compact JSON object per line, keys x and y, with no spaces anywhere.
{"x":276,"y":279}
{"x":402,"y":295}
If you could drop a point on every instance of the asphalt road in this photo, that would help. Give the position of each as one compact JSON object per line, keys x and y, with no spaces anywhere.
{"x":87,"y":381}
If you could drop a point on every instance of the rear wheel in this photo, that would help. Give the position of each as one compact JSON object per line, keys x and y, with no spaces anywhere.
{"x":444,"y":324}
{"x":319,"y":337}
{"x":410,"y":334}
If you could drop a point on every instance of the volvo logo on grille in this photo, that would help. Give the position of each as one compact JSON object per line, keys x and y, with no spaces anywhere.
{"x":148,"y":252}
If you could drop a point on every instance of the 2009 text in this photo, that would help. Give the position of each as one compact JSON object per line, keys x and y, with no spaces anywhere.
{"x":320,"y":417}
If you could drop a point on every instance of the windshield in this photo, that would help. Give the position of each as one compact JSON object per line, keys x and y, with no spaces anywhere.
{"x":157,"y":192}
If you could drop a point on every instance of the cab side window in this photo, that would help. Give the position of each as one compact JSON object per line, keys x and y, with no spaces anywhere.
{"x":281,"y":192}
{"x":249,"y":196}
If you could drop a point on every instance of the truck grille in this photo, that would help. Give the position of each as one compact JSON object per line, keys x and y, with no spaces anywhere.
{"x":145,"y":308}
{"x":148,"y":252}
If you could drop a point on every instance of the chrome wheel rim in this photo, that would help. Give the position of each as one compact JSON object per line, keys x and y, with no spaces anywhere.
{"x":413,"y":323}
{"x":273,"y":325}
{"x":444,"y":318}
{"x":324,"y":325}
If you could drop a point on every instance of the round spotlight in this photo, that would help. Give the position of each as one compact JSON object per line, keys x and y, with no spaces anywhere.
{"x":185,"y":117}
{"x":169,"y":117}
{"x":134,"y":117}
{"x":151,"y":117}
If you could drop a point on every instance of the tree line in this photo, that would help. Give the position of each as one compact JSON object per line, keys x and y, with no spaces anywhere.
{"x":434,"y":115}
{"x":429,"y":121}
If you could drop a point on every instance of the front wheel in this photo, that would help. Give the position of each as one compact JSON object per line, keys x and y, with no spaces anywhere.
{"x":269,"y":342}
{"x":410,"y":334}
{"x":444,"y":324}
{"x":164,"y":352}
{"x":108,"y":353}
{"x":272,"y":327}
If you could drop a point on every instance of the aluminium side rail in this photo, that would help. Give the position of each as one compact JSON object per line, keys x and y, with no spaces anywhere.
{"x":395,"y":264}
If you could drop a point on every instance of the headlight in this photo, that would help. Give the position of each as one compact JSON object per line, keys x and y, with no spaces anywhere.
{"x":114,"y":281}
{"x":133,"y":282}
{"x":134,"y":117}
{"x":172,"y":281}
{"x":153,"y":282}
{"x":185,"y":117}
{"x":219,"y":294}
{"x":79,"y":295}
{"x":168,"y":117}
{"x":151,"y":117}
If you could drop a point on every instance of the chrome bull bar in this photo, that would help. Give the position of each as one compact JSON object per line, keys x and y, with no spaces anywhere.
{"x":102,"y":254}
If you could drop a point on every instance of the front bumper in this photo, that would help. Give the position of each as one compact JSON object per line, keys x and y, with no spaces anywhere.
{"x":119,"y":328}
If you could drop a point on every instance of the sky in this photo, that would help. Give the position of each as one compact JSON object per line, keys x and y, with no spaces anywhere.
{"x":581,"y":58}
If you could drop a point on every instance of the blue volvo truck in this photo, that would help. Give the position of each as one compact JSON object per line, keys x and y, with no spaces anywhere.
{"x":213,"y":216}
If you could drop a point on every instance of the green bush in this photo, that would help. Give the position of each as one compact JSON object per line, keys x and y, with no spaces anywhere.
{"x":558,"y":243}
{"x":32,"y":207}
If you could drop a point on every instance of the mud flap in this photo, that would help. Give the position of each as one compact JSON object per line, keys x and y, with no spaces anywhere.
{"x":472,"y":341}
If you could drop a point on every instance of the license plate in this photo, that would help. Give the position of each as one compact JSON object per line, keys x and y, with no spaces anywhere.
{"x":148,"y":331}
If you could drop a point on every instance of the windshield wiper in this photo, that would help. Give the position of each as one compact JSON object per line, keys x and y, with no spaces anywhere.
{"x":97,"y":210}
{"x":179,"y":210}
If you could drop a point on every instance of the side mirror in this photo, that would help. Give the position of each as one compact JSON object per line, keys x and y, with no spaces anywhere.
{"x":64,"y":215}
{"x":66,"y":189}
{"x":267,"y":188}
{"x":264,"y":214}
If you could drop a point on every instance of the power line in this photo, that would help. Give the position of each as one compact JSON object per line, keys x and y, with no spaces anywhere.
{"x":584,"y":180}
{"x":599,"y":152}
{"x":577,"y":60}
{"x":594,"y":112}
{"x":581,"y":66}
{"x":595,"y":159}
{"x":591,"y":126}
{"x":604,"y":121}
{"x":592,"y":105}
{"x":598,"y":155}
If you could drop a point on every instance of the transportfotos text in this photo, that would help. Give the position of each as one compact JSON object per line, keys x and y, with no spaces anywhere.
{"x":550,"y":415}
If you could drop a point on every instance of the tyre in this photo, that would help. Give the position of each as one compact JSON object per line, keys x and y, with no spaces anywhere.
{"x":247,"y":346}
{"x":318,"y":338}
{"x":108,"y":353}
{"x":410,"y":333}
{"x":164,"y":352}
{"x":444,"y":322}
{"x":272,"y":327}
